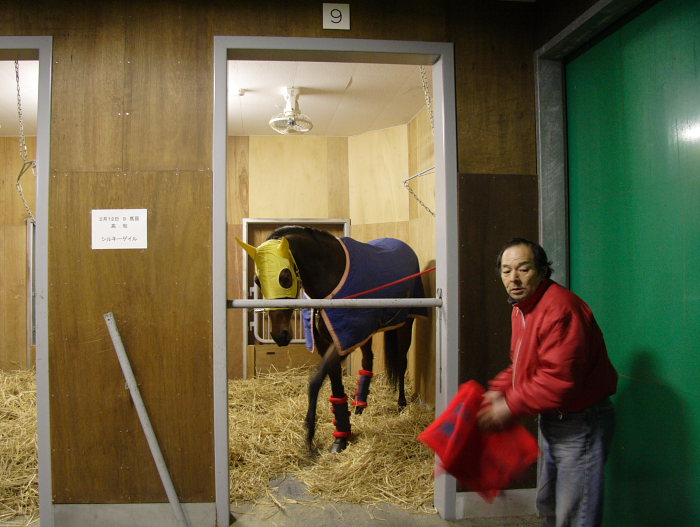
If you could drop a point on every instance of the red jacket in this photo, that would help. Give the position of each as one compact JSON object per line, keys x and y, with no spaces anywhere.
{"x":558,"y":355}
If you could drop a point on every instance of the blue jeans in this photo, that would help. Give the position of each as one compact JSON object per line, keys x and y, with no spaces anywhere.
{"x":574,"y":449}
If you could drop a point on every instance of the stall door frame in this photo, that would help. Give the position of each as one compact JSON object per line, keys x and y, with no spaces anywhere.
{"x":40,"y":48}
{"x":438,"y":55}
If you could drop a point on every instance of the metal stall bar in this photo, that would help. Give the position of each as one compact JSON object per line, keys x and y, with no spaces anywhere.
{"x":330,"y":303}
{"x":145,"y":421}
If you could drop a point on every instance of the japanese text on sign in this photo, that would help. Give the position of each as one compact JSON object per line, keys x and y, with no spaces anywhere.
{"x":120,"y":229}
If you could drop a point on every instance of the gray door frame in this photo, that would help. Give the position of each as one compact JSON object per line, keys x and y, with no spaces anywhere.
{"x":439,"y":55}
{"x":40,"y":48}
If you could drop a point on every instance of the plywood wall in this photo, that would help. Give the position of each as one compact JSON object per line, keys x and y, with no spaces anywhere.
{"x":378,"y":165}
{"x":163,"y":317}
{"x":15,"y":350}
{"x":292,"y":176}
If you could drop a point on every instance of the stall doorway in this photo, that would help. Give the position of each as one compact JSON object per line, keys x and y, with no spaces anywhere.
{"x":439,"y":58}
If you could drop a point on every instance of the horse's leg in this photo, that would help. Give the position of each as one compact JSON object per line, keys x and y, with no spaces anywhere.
{"x":339,"y":402}
{"x":396,"y":345}
{"x":362,"y":392}
{"x":315,"y":384}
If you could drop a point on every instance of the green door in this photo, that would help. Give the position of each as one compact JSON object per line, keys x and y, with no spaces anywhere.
{"x":633,"y":111}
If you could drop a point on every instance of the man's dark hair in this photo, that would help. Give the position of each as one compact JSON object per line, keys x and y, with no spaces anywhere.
{"x":542,"y":263}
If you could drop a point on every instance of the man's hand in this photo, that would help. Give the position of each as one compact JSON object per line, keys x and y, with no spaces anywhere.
{"x":494,"y":414}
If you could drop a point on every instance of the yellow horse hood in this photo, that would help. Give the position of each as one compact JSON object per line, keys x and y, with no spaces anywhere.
{"x":271,"y":259}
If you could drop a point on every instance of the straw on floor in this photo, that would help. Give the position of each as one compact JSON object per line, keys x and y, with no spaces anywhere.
{"x":19,"y":494}
{"x":384,"y":462}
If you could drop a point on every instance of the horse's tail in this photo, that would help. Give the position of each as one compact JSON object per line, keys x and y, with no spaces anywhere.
{"x":391,"y":359}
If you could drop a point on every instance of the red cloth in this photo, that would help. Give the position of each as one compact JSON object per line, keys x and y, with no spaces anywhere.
{"x":484,"y":462}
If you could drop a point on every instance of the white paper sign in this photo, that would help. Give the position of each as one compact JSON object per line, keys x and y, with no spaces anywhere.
{"x":120,"y":229}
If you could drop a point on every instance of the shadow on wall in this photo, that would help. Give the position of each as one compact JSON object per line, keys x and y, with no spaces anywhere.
{"x":649,"y":478}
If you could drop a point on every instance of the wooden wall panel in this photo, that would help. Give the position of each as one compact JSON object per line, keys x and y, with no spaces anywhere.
{"x":160,"y":301}
{"x":168,"y":87}
{"x":13,"y":252}
{"x":422,"y":358}
{"x":491,"y":212}
{"x":338,"y":177}
{"x":405,"y":20}
{"x":494,"y":45}
{"x":87,"y":106}
{"x":235,"y":318}
{"x":421,"y":236}
{"x":378,"y":165}
{"x":421,"y":157}
{"x":288,"y":177}
{"x":13,"y":297}
{"x":237,"y":180}
{"x":12,"y":211}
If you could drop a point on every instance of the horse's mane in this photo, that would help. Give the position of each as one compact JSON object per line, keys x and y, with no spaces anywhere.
{"x":313,"y":232}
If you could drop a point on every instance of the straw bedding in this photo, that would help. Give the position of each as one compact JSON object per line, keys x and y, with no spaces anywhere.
{"x":19,"y":494}
{"x":384,"y":462}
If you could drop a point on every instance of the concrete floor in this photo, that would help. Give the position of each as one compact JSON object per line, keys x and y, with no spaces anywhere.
{"x":320,"y":514}
{"x":296,"y":508}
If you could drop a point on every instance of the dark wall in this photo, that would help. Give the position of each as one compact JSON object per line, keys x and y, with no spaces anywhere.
{"x":555,"y":15}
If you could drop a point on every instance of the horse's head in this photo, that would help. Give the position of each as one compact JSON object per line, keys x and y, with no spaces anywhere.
{"x":278,"y":277}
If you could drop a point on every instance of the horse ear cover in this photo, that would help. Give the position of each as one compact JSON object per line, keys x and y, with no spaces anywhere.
{"x":270,"y":258}
{"x":252,"y":251}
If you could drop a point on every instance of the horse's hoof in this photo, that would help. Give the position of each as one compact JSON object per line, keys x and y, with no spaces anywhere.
{"x":339,"y":445}
{"x":359,"y":409}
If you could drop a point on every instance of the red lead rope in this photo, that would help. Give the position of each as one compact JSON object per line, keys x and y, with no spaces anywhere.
{"x":389,"y":284}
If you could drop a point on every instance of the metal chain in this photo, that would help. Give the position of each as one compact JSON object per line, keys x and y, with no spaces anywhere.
{"x":413,"y":193}
{"x":429,"y":106}
{"x":426,"y":94}
{"x":26,"y":165}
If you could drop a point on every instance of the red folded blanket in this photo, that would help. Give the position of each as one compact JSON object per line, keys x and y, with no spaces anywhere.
{"x":484,"y":462}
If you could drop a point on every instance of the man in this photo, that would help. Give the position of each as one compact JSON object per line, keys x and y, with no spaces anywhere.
{"x":560,"y":370}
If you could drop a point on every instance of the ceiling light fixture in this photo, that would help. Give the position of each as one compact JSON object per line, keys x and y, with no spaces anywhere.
{"x":291,"y":121}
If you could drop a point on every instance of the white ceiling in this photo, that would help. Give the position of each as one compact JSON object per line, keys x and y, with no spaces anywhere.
{"x":341,"y":99}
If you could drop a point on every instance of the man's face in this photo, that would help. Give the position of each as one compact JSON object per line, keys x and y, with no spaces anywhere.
{"x":518,"y":272}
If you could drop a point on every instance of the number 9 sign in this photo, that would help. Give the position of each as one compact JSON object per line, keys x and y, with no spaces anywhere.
{"x":336,"y":16}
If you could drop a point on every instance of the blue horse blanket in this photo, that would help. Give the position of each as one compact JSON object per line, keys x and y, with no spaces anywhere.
{"x":370,"y":265}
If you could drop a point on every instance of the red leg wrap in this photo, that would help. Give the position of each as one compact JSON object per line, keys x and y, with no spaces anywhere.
{"x":362,"y":391}
{"x":339,"y":407}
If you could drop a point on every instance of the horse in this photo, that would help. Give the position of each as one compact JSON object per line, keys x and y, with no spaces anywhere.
{"x":295,"y":256}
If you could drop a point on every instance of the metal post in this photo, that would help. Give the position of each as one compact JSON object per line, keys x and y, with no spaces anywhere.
{"x":284,"y":303}
{"x":145,"y":421}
